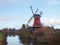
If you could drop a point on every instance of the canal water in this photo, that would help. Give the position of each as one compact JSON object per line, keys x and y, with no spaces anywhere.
{"x":13,"y":40}
{"x":16,"y":40}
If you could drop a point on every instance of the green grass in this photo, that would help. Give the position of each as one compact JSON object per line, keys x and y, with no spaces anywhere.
{"x":1,"y":35}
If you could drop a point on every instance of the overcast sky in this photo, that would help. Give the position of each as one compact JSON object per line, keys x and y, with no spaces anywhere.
{"x":14,"y":13}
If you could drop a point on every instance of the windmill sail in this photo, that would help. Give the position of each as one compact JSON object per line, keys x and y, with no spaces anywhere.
{"x":30,"y":19}
{"x":36,"y":11}
{"x":31,"y":9}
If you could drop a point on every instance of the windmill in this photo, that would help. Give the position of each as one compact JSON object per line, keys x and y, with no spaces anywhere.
{"x":36,"y":17}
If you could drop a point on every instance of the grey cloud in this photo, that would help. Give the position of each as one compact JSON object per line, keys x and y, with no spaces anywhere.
{"x":51,"y":21}
{"x":7,"y":18}
{"x":53,"y":2}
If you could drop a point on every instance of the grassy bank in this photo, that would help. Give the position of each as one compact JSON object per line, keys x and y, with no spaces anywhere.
{"x":1,"y":35}
{"x":50,"y":35}
{"x":1,"y":38}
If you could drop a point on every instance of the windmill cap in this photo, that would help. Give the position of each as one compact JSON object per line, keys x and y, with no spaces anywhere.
{"x":37,"y":15}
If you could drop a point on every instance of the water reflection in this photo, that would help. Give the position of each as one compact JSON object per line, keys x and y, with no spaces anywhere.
{"x":29,"y":41}
{"x":18,"y":40}
{"x":25,"y":41}
{"x":13,"y":40}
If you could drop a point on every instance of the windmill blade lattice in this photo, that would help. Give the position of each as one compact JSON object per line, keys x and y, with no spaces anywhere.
{"x":30,"y":19}
{"x":36,"y":11}
{"x":31,"y":9}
